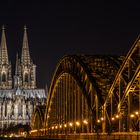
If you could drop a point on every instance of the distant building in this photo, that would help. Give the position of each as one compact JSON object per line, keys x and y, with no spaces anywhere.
{"x":18,"y":94}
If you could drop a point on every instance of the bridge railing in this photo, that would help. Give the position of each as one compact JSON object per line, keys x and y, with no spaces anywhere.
{"x":91,"y":136}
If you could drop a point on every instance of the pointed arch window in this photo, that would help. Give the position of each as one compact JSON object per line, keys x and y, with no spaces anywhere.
{"x":26,"y":77}
{"x":3,"y":77}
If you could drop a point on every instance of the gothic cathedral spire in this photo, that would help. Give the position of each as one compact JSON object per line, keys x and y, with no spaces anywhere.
{"x":27,"y":70}
{"x":17,"y":64}
{"x":5,"y":67}
{"x":25,"y":56}
{"x":4,"y":54}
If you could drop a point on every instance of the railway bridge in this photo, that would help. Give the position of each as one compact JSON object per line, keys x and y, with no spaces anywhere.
{"x":92,"y":94}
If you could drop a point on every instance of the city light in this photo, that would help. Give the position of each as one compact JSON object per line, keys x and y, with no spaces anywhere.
{"x":112,"y":118}
{"x":77,"y":123}
{"x":85,"y":122}
{"x":70,"y":124}
{"x":56,"y":127}
{"x":65,"y":125}
{"x":60,"y":126}
{"x":132,"y":116}
{"x":136,"y":112}
{"x":102,"y":118}
{"x":32,"y":131}
{"x":98,"y":121}
{"x":52,"y":127}
{"x":117,"y":116}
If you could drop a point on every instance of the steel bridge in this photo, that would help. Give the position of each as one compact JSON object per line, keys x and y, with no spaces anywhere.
{"x":91,"y":94}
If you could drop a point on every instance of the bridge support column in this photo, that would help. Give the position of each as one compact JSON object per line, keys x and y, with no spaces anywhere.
{"x":104,"y":120}
{"x":129,"y":121}
{"x":139,"y":111}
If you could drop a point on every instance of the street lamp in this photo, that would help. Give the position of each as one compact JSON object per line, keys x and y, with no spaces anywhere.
{"x":77,"y":123}
{"x":102,"y":118}
{"x":117,"y":116}
{"x":70,"y":124}
{"x":137,"y":113}
{"x":85,"y":122}
{"x":132,"y":115}
{"x":60,"y":126}
{"x":98,"y":121}
{"x":112,"y":118}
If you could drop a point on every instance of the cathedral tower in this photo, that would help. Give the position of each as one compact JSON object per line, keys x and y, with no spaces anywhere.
{"x":18,"y":103}
{"x":25,"y":75}
{"x":5,"y":66}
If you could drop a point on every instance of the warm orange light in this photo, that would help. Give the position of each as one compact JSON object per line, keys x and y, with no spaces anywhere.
{"x":70,"y":124}
{"x":112,"y":118}
{"x":132,"y":116}
{"x":65,"y":125}
{"x":85,"y":122}
{"x":102,"y":118}
{"x":117,"y":116}
{"x":32,"y":131}
{"x":60,"y":126}
{"x":136,"y":112}
{"x":52,"y":127}
{"x":98,"y":121}
{"x":56,"y":127}
{"x":77,"y":123}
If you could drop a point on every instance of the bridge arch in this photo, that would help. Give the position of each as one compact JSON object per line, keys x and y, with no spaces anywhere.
{"x":78,"y":90}
{"x":122,"y":104}
{"x":38,"y":118}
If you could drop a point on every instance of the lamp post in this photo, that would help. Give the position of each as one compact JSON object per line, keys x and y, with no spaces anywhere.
{"x":70,"y":124}
{"x":85,"y":123}
{"x":77,"y":126}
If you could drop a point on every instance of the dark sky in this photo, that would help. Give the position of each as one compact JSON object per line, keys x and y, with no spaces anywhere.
{"x":57,"y":28}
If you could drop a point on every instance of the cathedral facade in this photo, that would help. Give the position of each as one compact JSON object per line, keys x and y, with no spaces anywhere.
{"x":19,"y":94}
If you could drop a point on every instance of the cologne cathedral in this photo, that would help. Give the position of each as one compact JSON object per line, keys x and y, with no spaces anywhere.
{"x":18,"y":93}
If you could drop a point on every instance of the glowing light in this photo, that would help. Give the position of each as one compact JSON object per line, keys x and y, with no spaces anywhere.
{"x":102,"y":118}
{"x":70,"y":124}
{"x":117,"y":116}
{"x":32,"y":131}
{"x":77,"y":123}
{"x":132,"y":115}
{"x":52,"y":127}
{"x":60,"y":126}
{"x":136,"y":112}
{"x":112,"y":118}
{"x":56,"y":127}
{"x":85,"y":122}
{"x":98,"y":121}
{"x":65,"y":125}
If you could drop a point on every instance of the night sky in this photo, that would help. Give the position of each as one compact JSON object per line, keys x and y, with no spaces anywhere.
{"x":57,"y":28}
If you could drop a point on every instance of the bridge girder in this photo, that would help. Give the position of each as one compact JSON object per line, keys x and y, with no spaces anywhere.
{"x":95,"y":94}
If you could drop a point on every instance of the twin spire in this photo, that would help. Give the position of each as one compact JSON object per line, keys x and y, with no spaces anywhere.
{"x":25,"y":56}
{"x":3,"y":48}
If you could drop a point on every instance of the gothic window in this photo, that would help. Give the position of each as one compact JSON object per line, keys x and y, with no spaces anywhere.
{"x":20,"y":109}
{"x":4,"y":77}
{"x":26,"y":77}
{"x":5,"y":110}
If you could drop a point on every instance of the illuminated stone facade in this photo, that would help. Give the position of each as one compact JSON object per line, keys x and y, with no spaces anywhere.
{"x":19,"y":94}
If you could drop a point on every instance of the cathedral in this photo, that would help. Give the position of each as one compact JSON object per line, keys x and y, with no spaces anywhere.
{"x":19,"y":94}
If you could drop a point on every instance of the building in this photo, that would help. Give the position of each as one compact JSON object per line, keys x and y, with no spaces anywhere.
{"x":19,"y":94}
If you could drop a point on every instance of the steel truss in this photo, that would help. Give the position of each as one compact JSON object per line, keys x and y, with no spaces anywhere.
{"x":94,"y":94}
